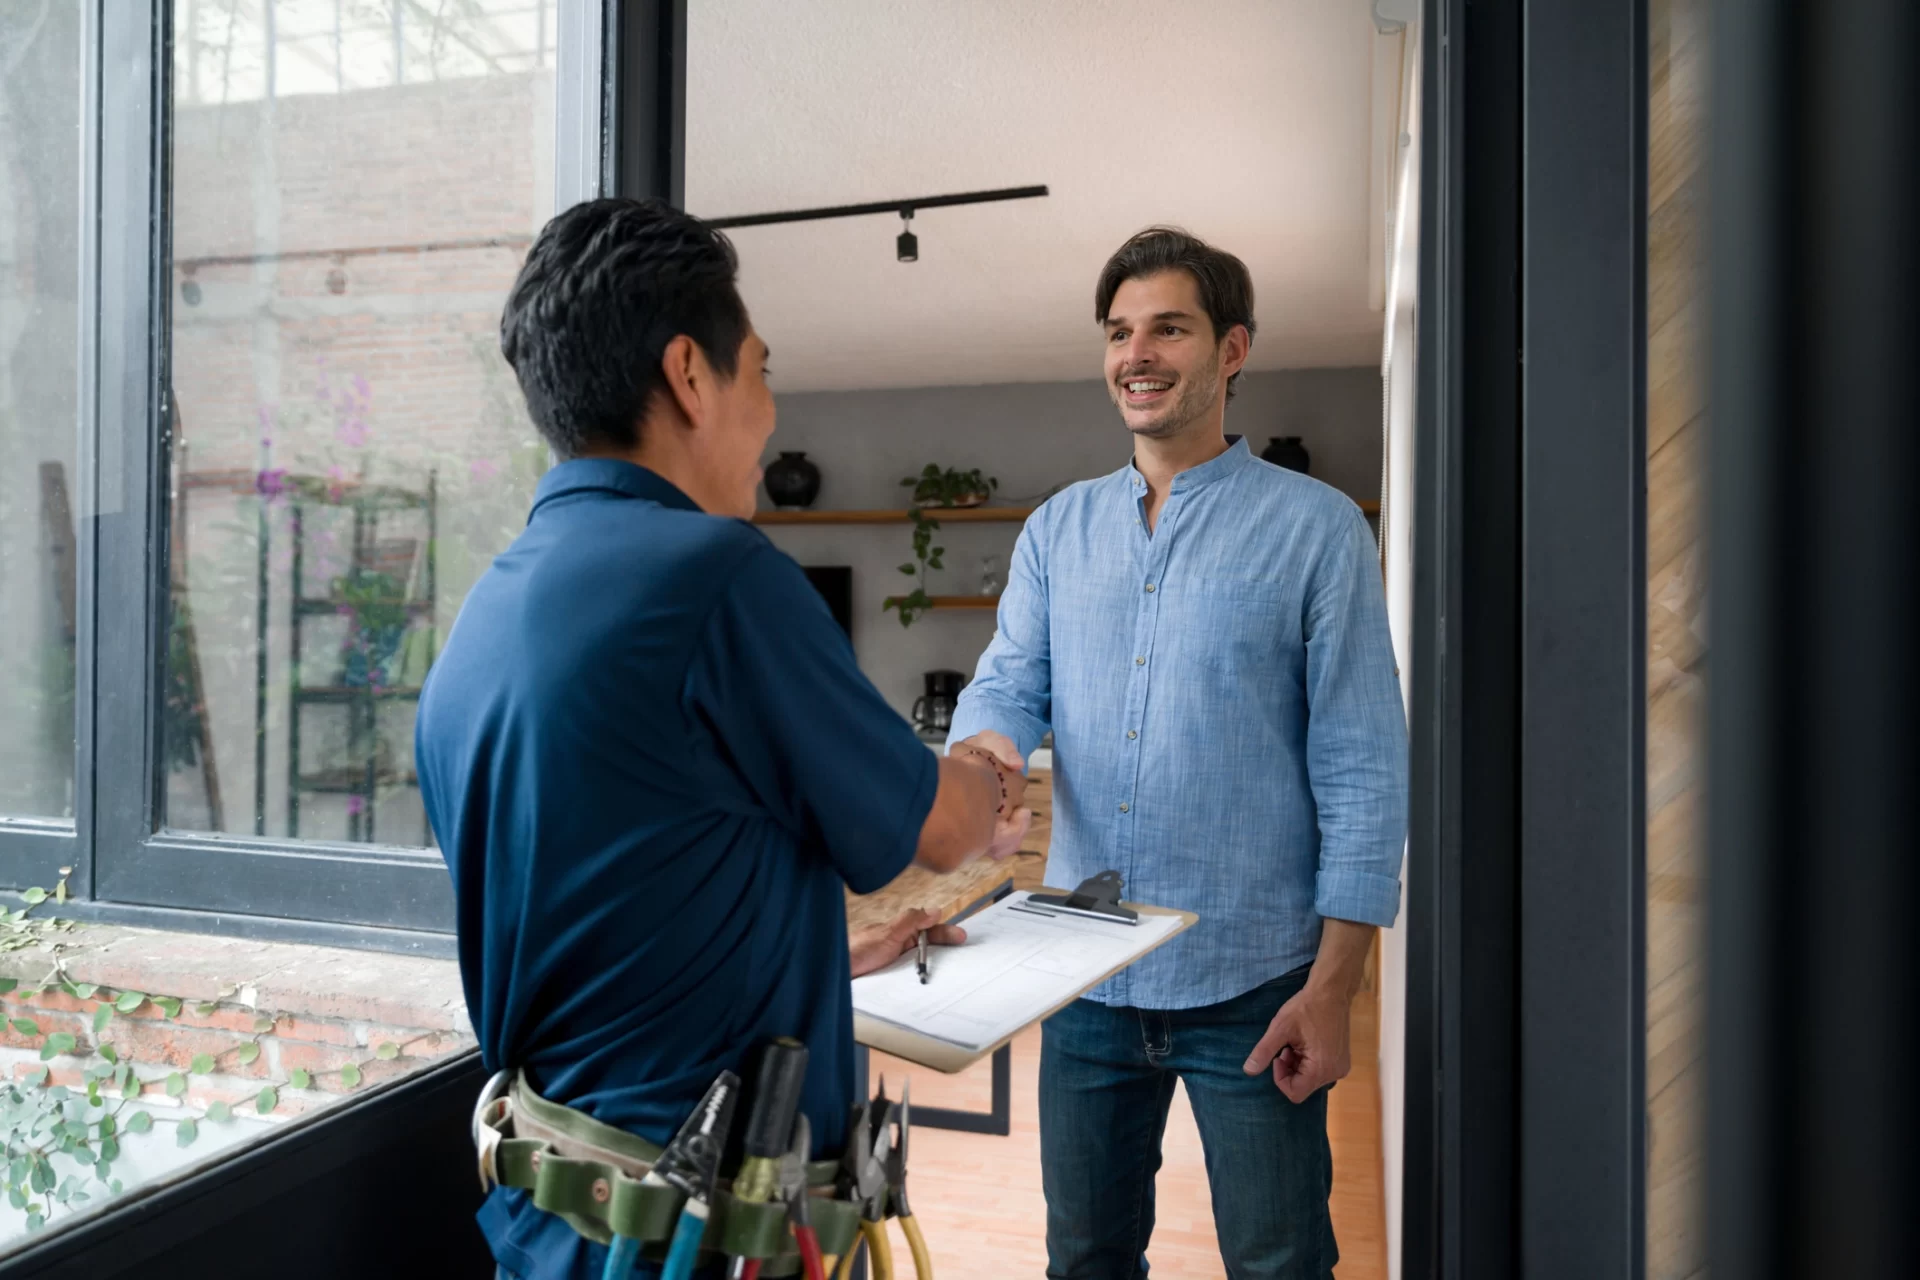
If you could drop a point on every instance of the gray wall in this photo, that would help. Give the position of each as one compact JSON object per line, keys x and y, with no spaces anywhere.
{"x":1032,"y":436}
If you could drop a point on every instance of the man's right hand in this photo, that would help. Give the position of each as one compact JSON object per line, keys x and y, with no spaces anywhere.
{"x":997,"y":745}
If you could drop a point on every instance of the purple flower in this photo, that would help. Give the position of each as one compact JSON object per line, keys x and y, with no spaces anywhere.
{"x":356,"y":806}
{"x":271,"y":483}
{"x":360,"y":386}
{"x":352,"y":432}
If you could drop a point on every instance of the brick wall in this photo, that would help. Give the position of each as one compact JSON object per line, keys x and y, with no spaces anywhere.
{"x":314,"y":1009}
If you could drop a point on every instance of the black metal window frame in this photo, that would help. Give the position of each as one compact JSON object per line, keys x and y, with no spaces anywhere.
{"x":1525,"y":1108}
{"x":121,"y":863}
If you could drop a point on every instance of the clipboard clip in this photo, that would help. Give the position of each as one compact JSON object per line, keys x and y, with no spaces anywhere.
{"x":1098,"y":896}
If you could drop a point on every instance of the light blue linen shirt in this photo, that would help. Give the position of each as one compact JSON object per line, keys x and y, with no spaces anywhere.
{"x":1227,"y":726}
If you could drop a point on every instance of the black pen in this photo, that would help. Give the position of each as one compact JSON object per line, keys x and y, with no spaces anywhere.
{"x":920,"y":950}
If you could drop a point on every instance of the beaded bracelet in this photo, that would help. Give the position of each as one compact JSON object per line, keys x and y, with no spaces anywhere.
{"x":999,"y":775}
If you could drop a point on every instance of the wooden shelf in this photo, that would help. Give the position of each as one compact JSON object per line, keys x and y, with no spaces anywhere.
{"x":958,"y":602}
{"x":944,"y":515}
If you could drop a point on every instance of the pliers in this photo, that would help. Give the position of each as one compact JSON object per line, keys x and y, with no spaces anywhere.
{"x":792,"y":1184}
{"x":863,"y":1178}
{"x":897,"y":1186}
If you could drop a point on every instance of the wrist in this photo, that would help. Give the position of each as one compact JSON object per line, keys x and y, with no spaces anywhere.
{"x":994,"y":767}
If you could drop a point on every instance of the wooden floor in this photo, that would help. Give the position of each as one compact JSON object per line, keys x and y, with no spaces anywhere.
{"x":978,"y":1198}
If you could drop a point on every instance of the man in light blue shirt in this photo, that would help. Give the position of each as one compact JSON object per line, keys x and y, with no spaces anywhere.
{"x":1206,"y":636}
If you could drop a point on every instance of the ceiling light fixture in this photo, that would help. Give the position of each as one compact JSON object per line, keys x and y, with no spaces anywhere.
{"x":906,"y":208}
{"x":908,"y":244}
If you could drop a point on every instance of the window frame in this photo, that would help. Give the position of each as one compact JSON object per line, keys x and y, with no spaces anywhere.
{"x":124,"y":865}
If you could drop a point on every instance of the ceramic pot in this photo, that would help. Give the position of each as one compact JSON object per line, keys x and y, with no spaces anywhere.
{"x":792,"y":482}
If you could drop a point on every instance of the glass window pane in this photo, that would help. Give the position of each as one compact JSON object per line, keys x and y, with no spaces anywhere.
{"x":40,"y":193}
{"x":354,"y":186}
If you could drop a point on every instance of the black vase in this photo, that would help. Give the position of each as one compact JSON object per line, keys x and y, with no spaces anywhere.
{"x":792,"y":482}
{"x":1288,"y":452}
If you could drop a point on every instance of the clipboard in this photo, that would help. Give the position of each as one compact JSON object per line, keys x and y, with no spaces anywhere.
{"x":949,"y":1058}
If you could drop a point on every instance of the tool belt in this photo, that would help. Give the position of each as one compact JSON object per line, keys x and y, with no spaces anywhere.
{"x":590,"y":1175}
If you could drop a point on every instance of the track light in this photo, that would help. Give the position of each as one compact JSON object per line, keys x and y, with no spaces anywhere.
{"x":908,"y":244}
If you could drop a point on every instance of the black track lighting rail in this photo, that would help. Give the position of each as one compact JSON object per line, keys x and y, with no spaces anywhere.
{"x":904,"y":207}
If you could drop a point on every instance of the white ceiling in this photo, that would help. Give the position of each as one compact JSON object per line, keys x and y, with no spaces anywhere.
{"x":1246,"y":121}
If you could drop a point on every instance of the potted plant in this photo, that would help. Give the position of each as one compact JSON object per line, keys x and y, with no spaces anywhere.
{"x":933,"y":488}
{"x":938,"y":486}
{"x":374,"y":604}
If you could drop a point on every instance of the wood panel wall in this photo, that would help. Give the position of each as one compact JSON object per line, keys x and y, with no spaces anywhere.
{"x":1676,"y":637}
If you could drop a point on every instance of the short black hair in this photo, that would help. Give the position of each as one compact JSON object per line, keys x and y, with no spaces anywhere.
{"x":606,"y":286}
{"x":1226,"y":287}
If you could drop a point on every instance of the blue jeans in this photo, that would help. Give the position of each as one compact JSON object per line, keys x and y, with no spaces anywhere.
{"x":1106,"y":1082}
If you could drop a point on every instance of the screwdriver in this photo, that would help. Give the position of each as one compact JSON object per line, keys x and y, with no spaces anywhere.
{"x":776,"y":1097}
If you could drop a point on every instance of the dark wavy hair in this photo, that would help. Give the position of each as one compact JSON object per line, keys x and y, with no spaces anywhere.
{"x":1226,"y":287}
{"x":607,"y":285}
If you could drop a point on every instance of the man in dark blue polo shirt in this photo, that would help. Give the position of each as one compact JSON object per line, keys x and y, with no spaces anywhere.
{"x":647,"y":752}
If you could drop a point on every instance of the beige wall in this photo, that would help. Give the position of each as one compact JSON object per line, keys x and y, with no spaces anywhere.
{"x":1676,"y":639}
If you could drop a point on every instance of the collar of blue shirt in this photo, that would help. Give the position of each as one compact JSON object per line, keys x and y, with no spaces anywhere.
{"x":613,"y":476}
{"x":1236,"y":456}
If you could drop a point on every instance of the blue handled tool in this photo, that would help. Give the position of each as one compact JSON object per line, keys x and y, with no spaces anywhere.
{"x":690,"y":1164}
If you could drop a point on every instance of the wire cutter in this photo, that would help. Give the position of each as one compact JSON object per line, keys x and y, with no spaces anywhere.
{"x":897,"y":1206}
{"x":863,"y":1178}
{"x":792,"y":1190}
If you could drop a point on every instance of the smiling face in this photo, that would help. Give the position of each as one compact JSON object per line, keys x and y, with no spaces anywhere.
{"x":1165,"y":368}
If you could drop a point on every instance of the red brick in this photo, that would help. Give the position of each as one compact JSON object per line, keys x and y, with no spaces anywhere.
{"x":159,"y":1044}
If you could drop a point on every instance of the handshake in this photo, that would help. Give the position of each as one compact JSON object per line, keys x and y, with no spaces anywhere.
{"x":995,"y":754}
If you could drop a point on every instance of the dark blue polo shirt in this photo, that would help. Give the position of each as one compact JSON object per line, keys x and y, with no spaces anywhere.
{"x":651,"y":762}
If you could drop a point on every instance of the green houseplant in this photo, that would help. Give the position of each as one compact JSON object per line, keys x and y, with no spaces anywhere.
{"x":934,"y":487}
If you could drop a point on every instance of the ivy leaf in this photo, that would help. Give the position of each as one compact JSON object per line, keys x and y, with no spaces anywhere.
{"x":55,"y":1046}
{"x":186,"y":1132}
{"x":176,"y":1085}
{"x":129,"y":1001}
{"x":18,"y":1169}
{"x":907,"y":569}
{"x":262,"y":1025}
{"x":109,"y":1151}
{"x":60,"y":890}
{"x":202,"y":1064}
{"x":42,"y":1179}
{"x":219,"y":1113}
{"x":16,"y":1197}
{"x":81,"y":1154}
{"x":8,"y":984}
{"x":142,"y":1122}
{"x":93,"y":1092}
{"x":129,"y":1087}
{"x":205,"y":1008}
{"x":387,"y":1052}
{"x":301,"y":1080}
{"x":247,"y":1053}
{"x":84,"y":990}
{"x":168,"y":1005}
{"x":269,"y":1099}
{"x":35,"y":1219}
{"x":101,"y":1017}
{"x":350,"y":1076}
{"x":37,"y":1076}
{"x":34,"y":896}
{"x":26,"y":1026}
{"x":108,"y":1052}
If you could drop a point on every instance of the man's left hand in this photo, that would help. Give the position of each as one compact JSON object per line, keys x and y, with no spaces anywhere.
{"x":1307,"y":1043}
{"x":878,"y":946}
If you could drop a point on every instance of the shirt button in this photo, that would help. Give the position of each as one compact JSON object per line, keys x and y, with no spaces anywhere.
{"x":1131,"y":735}
{"x":1123,"y":806}
{"x":1139,"y":662}
{"x":1149,"y":588}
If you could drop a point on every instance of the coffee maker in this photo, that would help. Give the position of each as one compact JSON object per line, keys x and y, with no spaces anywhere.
{"x":933,"y":712}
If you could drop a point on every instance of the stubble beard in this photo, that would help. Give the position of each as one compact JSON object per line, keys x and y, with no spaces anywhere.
{"x":1196,"y":397}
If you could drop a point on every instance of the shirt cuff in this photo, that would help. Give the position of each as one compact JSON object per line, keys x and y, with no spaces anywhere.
{"x":1364,"y":897}
{"x":976,"y":715}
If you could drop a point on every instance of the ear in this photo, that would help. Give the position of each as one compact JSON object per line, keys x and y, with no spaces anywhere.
{"x":1234,"y":349}
{"x":689,"y":378}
